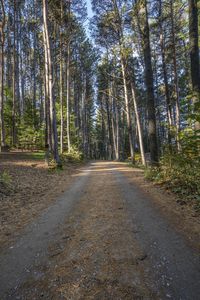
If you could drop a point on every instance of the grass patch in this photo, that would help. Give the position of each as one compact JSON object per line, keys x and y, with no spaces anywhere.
{"x":36,"y":155}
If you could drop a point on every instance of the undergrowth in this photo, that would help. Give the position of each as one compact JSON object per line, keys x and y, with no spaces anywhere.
{"x":5,"y":183}
{"x":74,"y":156}
{"x":5,"y":178}
{"x":180,"y":173}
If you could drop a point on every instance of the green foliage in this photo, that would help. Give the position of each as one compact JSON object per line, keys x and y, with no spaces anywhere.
{"x":30,"y":138}
{"x":73,"y":156}
{"x":8,"y":115}
{"x":5,"y":179}
{"x":180,"y":172}
{"x":36,"y":155}
{"x":190,"y":141}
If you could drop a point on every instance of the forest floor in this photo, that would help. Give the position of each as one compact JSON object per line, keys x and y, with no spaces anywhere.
{"x":30,"y":187}
{"x":99,"y":231}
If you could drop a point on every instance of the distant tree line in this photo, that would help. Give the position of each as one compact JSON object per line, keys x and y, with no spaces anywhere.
{"x":148,"y":78}
{"x":47,"y":74}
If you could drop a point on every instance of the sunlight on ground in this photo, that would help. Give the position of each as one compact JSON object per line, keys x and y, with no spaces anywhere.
{"x":26,"y":164}
{"x":104,"y":167}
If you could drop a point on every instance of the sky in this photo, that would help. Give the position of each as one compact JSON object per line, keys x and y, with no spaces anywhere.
{"x":89,"y":8}
{"x":90,"y":14}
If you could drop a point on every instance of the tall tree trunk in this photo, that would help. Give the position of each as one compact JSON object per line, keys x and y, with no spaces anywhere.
{"x":83,"y":96}
{"x":9,"y":51}
{"x":127,"y":107}
{"x":109,"y":122}
{"x":164,"y":69}
{"x":150,"y":89}
{"x":194,"y":54}
{"x":2,"y":39}
{"x":125,"y":87}
{"x":68,"y":97}
{"x":176,"y":81}
{"x":114,"y":122}
{"x":34,"y":83}
{"x":48,"y":136}
{"x":49,"y":68}
{"x":61,"y":101}
{"x":61,"y":84}
{"x":133,"y":91}
{"x":14,"y":81}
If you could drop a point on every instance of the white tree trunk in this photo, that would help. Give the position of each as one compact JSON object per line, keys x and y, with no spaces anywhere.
{"x":49,"y":77}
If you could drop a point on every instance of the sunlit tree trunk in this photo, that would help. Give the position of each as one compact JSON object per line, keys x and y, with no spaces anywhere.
{"x":128,"y":113}
{"x":61,"y":86}
{"x":49,"y":78}
{"x":125,"y":86}
{"x":114,"y":122}
{"x":176,"y":81}
{"x":134,"y":97}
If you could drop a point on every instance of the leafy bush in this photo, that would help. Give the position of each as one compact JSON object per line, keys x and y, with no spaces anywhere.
{"x":73,"y":156}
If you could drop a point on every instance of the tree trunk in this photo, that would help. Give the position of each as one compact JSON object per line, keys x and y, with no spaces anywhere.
{"x":49,"y":77}
{"x":2,"y":39}
{"x":61,"y":86}
{"x":68,"y":98}
{"x":164,"y":69}
{"x":133,"y":91}
{"x":34,"y":83}
{"x":48,"y":136}
{"x":150,"y":89}
{"x":194,"y":54}
{"x":115,"y":122}
{"x":128,"y":113}
{"x":14,"y":139}
{"x":61,"y":102}
{"x":176,"y":82}
{"x":109,"y":122}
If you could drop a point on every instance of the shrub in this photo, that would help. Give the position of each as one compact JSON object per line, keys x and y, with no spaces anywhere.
{"x":73,"y":156}
{"x":5,"y":178}
{"x":180,"y":172}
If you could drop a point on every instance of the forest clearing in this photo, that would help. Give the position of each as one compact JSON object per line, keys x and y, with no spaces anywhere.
{"x":99,"y":149}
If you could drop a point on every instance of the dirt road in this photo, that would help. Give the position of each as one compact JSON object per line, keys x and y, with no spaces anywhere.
{"x":103,"y":239}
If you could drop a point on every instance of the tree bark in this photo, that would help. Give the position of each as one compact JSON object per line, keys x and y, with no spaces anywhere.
{"x":127,"y":108}
{"x":150,"y":89}
{"x":114,"y":122}
{"x":68,"y":98}
{"x":164,"y":69}
{"x":194,"y":54}
{"x":61,"y":86}
{"x":125,"y":87}
{"x":176,"y":81}
{"x":49,"y":77}
{"x":14,"y":139}
{"x":133,"y":91}
{"x":2,"y":40}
